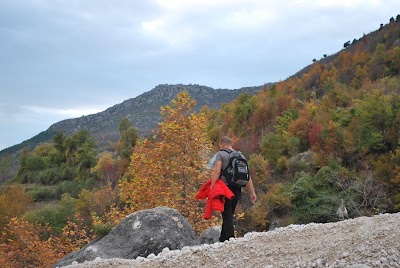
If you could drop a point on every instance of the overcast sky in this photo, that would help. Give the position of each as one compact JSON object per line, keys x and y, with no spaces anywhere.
{"x":61,"y":59}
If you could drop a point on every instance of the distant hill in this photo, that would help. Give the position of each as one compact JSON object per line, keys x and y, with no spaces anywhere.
{"x":143,"y":111}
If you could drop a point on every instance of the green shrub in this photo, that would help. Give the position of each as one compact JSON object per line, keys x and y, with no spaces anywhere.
{"x":51,"y":176}
{"x":69,"y":173}
{"x":396,"y":201}
{"x":54,"y":215}
{"x":315,"y":199}
{"x":43,"y":193}
{"x":72,"y":188}
{"x":101,"y":229}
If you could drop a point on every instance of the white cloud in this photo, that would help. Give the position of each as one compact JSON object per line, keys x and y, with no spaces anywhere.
{"x":190,"y":5}
{"x":249,"y":20}
{"x":348,"y":3}
{"x":67,"y":113}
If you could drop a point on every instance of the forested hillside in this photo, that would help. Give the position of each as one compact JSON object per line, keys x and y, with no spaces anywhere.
{"x":329,"y":134}
{"x":326,"y":136}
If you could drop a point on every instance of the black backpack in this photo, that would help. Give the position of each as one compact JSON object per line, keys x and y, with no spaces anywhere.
{"x":237,"y":172}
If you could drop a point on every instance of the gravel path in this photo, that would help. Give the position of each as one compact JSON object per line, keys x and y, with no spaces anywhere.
{"x":357,"y":243}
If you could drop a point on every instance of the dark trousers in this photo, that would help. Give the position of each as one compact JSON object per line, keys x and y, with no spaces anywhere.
{"x":228,"y":228}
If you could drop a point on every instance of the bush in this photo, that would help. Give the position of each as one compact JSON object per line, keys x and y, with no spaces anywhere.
{"x":14,"y":201}
{"x":51,"y":176}
{"x":315,"y":199}
{"x":55,"y":215}
{"x":101,"y":229}
{"x":272,"y":205}
{"x":396,"y":199}
{"x":69,"y":173}
{"x":43,"y":193}
{"x":72,"y":188}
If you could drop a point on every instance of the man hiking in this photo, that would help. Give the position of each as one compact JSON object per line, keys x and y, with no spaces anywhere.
{"x":223,"y":161}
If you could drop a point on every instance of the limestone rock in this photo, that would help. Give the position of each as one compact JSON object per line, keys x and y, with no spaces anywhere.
{"x":139,"y":234}
{"x":211,"y":235}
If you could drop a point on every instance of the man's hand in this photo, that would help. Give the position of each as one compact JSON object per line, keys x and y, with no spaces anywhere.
{"x":253,"y":197}
{"x":251,"y":191}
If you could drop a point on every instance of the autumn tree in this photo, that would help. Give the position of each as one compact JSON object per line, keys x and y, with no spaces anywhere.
{"x":260,"y":172}
{"x":108,"y":169}
{"x":14,"y":201}
{"x":94,"y":203}
{"x":169,"y":170}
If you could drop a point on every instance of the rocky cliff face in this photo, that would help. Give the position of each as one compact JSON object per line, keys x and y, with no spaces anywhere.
{"x":144,"y":110}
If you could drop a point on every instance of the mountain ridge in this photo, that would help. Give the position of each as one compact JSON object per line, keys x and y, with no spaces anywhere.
{"x":148,"y":104}
{"x":143,"y":111}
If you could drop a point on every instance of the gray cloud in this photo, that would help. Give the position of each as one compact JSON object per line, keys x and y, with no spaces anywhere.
{"x":65,"y":55}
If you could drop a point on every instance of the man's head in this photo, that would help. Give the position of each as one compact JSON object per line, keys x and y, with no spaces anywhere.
{"x":225,"y":142}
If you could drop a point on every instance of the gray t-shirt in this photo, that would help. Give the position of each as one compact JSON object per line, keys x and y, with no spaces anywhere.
{"x":223,"y":156}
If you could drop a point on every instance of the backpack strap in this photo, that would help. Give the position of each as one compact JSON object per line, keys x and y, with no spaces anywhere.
{"x":224,"y":170}
{"x":227,"y":150}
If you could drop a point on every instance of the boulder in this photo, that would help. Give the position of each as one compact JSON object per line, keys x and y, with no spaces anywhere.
{"x":211,"y":235}
{"x":139,"y":234}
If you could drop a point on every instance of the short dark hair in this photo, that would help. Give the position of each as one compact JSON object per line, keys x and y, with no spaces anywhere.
{"x":226,"y":140}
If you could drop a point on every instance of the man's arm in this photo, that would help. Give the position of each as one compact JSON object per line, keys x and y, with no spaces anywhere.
{"x":216,"y":173}
{"x":250,"y":189}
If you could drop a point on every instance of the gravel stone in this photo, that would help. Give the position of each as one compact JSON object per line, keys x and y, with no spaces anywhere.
{"x":364,"y":242}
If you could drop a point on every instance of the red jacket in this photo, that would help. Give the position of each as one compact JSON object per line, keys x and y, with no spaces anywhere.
{"x":215,"y":196}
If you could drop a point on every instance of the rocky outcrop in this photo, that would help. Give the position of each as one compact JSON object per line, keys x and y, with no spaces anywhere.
{"x":138,"y":235}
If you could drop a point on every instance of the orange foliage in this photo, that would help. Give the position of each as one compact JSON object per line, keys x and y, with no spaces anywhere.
{"x":97,"y":202}
{"x":170,"y":170}
{"x":330,"y":143}
{"x":21,"y":245}
{"x":283,"y":103}
{"x":109,"y":169}
{"x":104,"y":198}
{"x":313,"y":77}
{"x":260,"y":119}
{"x":301,"y":128}
{"x":344,"y":63}
{"x":314,"y":133}
{"x":14,"y":201}
{"x":73,"y":238}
